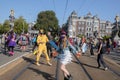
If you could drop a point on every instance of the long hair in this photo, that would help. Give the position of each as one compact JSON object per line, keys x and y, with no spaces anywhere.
{"x":64,"y":41}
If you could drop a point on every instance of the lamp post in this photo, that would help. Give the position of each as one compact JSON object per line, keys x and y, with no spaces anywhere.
{"x":23,"y":27}
{"x":117,"y":20}
{"x":117,"y":28}
{"x":99,"y":28}
{"x":11,"y":18}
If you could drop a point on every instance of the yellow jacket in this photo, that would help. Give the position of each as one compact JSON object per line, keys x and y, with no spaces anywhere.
{"x":42,"y":39}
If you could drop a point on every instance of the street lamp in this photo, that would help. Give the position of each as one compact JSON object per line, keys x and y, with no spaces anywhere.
{"x":11,"y":18}
{"x":117,"y":20}
{"x":99,"y":28}
{"x":117,"y":28}
{"x":23,"y":27}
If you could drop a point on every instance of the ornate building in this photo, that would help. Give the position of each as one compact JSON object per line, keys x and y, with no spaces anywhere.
{"x":87,"y":25}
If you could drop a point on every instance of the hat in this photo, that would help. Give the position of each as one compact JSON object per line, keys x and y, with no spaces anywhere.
{"x":63,"y":32}
{"x":41,"y":30}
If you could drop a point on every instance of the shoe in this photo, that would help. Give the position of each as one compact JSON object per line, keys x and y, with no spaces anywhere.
{"x":31,"y":51}
{"x":106,"y":69}
{"x":98,"y":67}
{"x":70,"y":77}
{"x":49,"y":64}
{"x":38,"y":64}
{"x":66,"y":78}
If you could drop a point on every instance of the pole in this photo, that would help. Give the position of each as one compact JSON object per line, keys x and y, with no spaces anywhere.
{"x":23,"y":27}
{"x":99,"y":28}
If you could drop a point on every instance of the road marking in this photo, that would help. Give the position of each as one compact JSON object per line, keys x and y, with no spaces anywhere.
{"x":13,"y":60}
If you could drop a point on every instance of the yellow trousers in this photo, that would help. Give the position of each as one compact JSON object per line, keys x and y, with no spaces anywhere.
{"x":42,"y":50}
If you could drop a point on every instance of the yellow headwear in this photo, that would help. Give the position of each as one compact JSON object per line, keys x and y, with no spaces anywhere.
{"x":41,"y":31}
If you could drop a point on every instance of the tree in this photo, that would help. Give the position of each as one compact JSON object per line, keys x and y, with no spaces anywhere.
{"x":20,"y":25}
{"x":6,"y":26}
{"x":47,"y":20}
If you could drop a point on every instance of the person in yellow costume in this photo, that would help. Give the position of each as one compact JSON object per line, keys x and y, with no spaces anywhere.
{"x":42,"y":48}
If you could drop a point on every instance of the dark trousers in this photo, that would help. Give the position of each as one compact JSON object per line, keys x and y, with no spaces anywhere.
{"x":35,"y":45}
{"x":91,"y":51}
{"x":5,"y":46}
{"x":100,"y":60}
{"x":10,"y":48}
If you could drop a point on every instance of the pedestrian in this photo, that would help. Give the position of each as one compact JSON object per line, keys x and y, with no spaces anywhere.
{"x":51,"y":44}
{"x":108,"y":46}
{"x":65,"y":55}
{"x":35,"y":43}
{"x":83,"y":45}
{"x":42,"y":39}
{"x":23,"y":42}
{"x":11,"y":43}
{"x":6,"y":42}
{"x":91,"y":47}
{"x":101,"y":51}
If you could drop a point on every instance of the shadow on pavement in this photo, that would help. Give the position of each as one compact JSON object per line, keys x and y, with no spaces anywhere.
{"x":30,"y":60}
{"x":84,"y":64}
{"x":44,"y":74}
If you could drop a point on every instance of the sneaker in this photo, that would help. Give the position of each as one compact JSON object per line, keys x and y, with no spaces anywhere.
{"x":49,"y":64}
{"x":31,"y":51}
{"x":106,"y":69}
{"x":38,"y":64}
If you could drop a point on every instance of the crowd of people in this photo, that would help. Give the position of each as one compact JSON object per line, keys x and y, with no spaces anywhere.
{"x":61,"y":46}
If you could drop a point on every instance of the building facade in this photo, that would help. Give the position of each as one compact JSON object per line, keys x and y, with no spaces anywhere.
{"x":88,"y":25}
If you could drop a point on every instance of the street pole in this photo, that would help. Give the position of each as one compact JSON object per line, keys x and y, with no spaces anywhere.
{"x":117,"y":20}
{"x":11,"y":18}
{"x":99,"y":28}
{"x":23,"y":27}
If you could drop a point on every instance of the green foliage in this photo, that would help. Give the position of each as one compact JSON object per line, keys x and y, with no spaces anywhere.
{"x":106,"y":37}
{"x":80,"y":35}
{"x":47,"y":20}
{"x":6,"y":26}
{"x":20,"y":25}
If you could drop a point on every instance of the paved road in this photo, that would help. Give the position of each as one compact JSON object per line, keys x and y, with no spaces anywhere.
{"x":115,"y":56}
{"x":6,"y":59}
{"x":46,"y":72}
{"x":26,"y":70}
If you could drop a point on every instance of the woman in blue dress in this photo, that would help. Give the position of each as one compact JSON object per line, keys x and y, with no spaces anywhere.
{"x":66,"y":55}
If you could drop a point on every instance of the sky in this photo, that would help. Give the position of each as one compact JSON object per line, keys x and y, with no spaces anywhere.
{"x":29,"y":9}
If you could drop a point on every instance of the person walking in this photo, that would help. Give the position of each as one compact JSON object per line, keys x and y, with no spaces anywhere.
{"x":35,"y":43}
{"x":42,"y":48}
{"x":11,"y":43}
{"x":108,"y":46}
{"x":101,"y":51}
{"x":23,"y":41}
{"x":51,"y":44}
{"x":91,"y":47}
